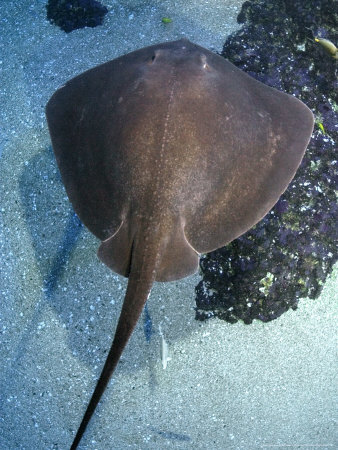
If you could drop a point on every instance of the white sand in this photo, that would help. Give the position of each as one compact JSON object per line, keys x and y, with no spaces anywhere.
{"x":226,"y":386}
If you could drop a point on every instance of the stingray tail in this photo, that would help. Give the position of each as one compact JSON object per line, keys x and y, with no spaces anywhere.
{"x":138,"y":290}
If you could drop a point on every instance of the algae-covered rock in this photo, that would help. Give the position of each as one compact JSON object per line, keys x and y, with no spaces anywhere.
{"x":70,"y":15}
{"x":290,"y":253}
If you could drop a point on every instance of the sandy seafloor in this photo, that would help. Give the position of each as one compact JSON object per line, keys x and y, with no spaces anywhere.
{"x":226,"y":386}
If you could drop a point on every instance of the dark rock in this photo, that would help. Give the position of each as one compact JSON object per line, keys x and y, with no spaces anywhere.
{"x":290,"y":253}
{"x":72,"y":14}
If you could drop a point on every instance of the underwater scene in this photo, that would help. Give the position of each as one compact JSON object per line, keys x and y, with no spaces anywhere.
{"x":168,"y":224}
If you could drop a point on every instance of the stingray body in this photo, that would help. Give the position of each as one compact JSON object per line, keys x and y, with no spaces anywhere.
{"x":166,"y":153}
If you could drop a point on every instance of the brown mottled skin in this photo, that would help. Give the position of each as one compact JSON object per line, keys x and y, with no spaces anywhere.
{"x":166,"y":153}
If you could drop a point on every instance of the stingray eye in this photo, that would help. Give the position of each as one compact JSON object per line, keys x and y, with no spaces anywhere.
{"x":152,"y":59}
{"x":204,"y":63}
{"x":154,"y":56}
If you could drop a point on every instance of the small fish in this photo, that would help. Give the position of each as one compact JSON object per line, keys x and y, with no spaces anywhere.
{"x":171,"y":435}
{"x":166,"y":20}
{"x":164,"y":353}
{"x":329,"y":47}
{"x":164,"y":349}
{"x":174,"y":436}
{"x":321,"y":127}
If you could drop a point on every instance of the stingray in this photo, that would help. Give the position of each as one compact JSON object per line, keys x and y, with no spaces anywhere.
{"x":166,"y":153}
